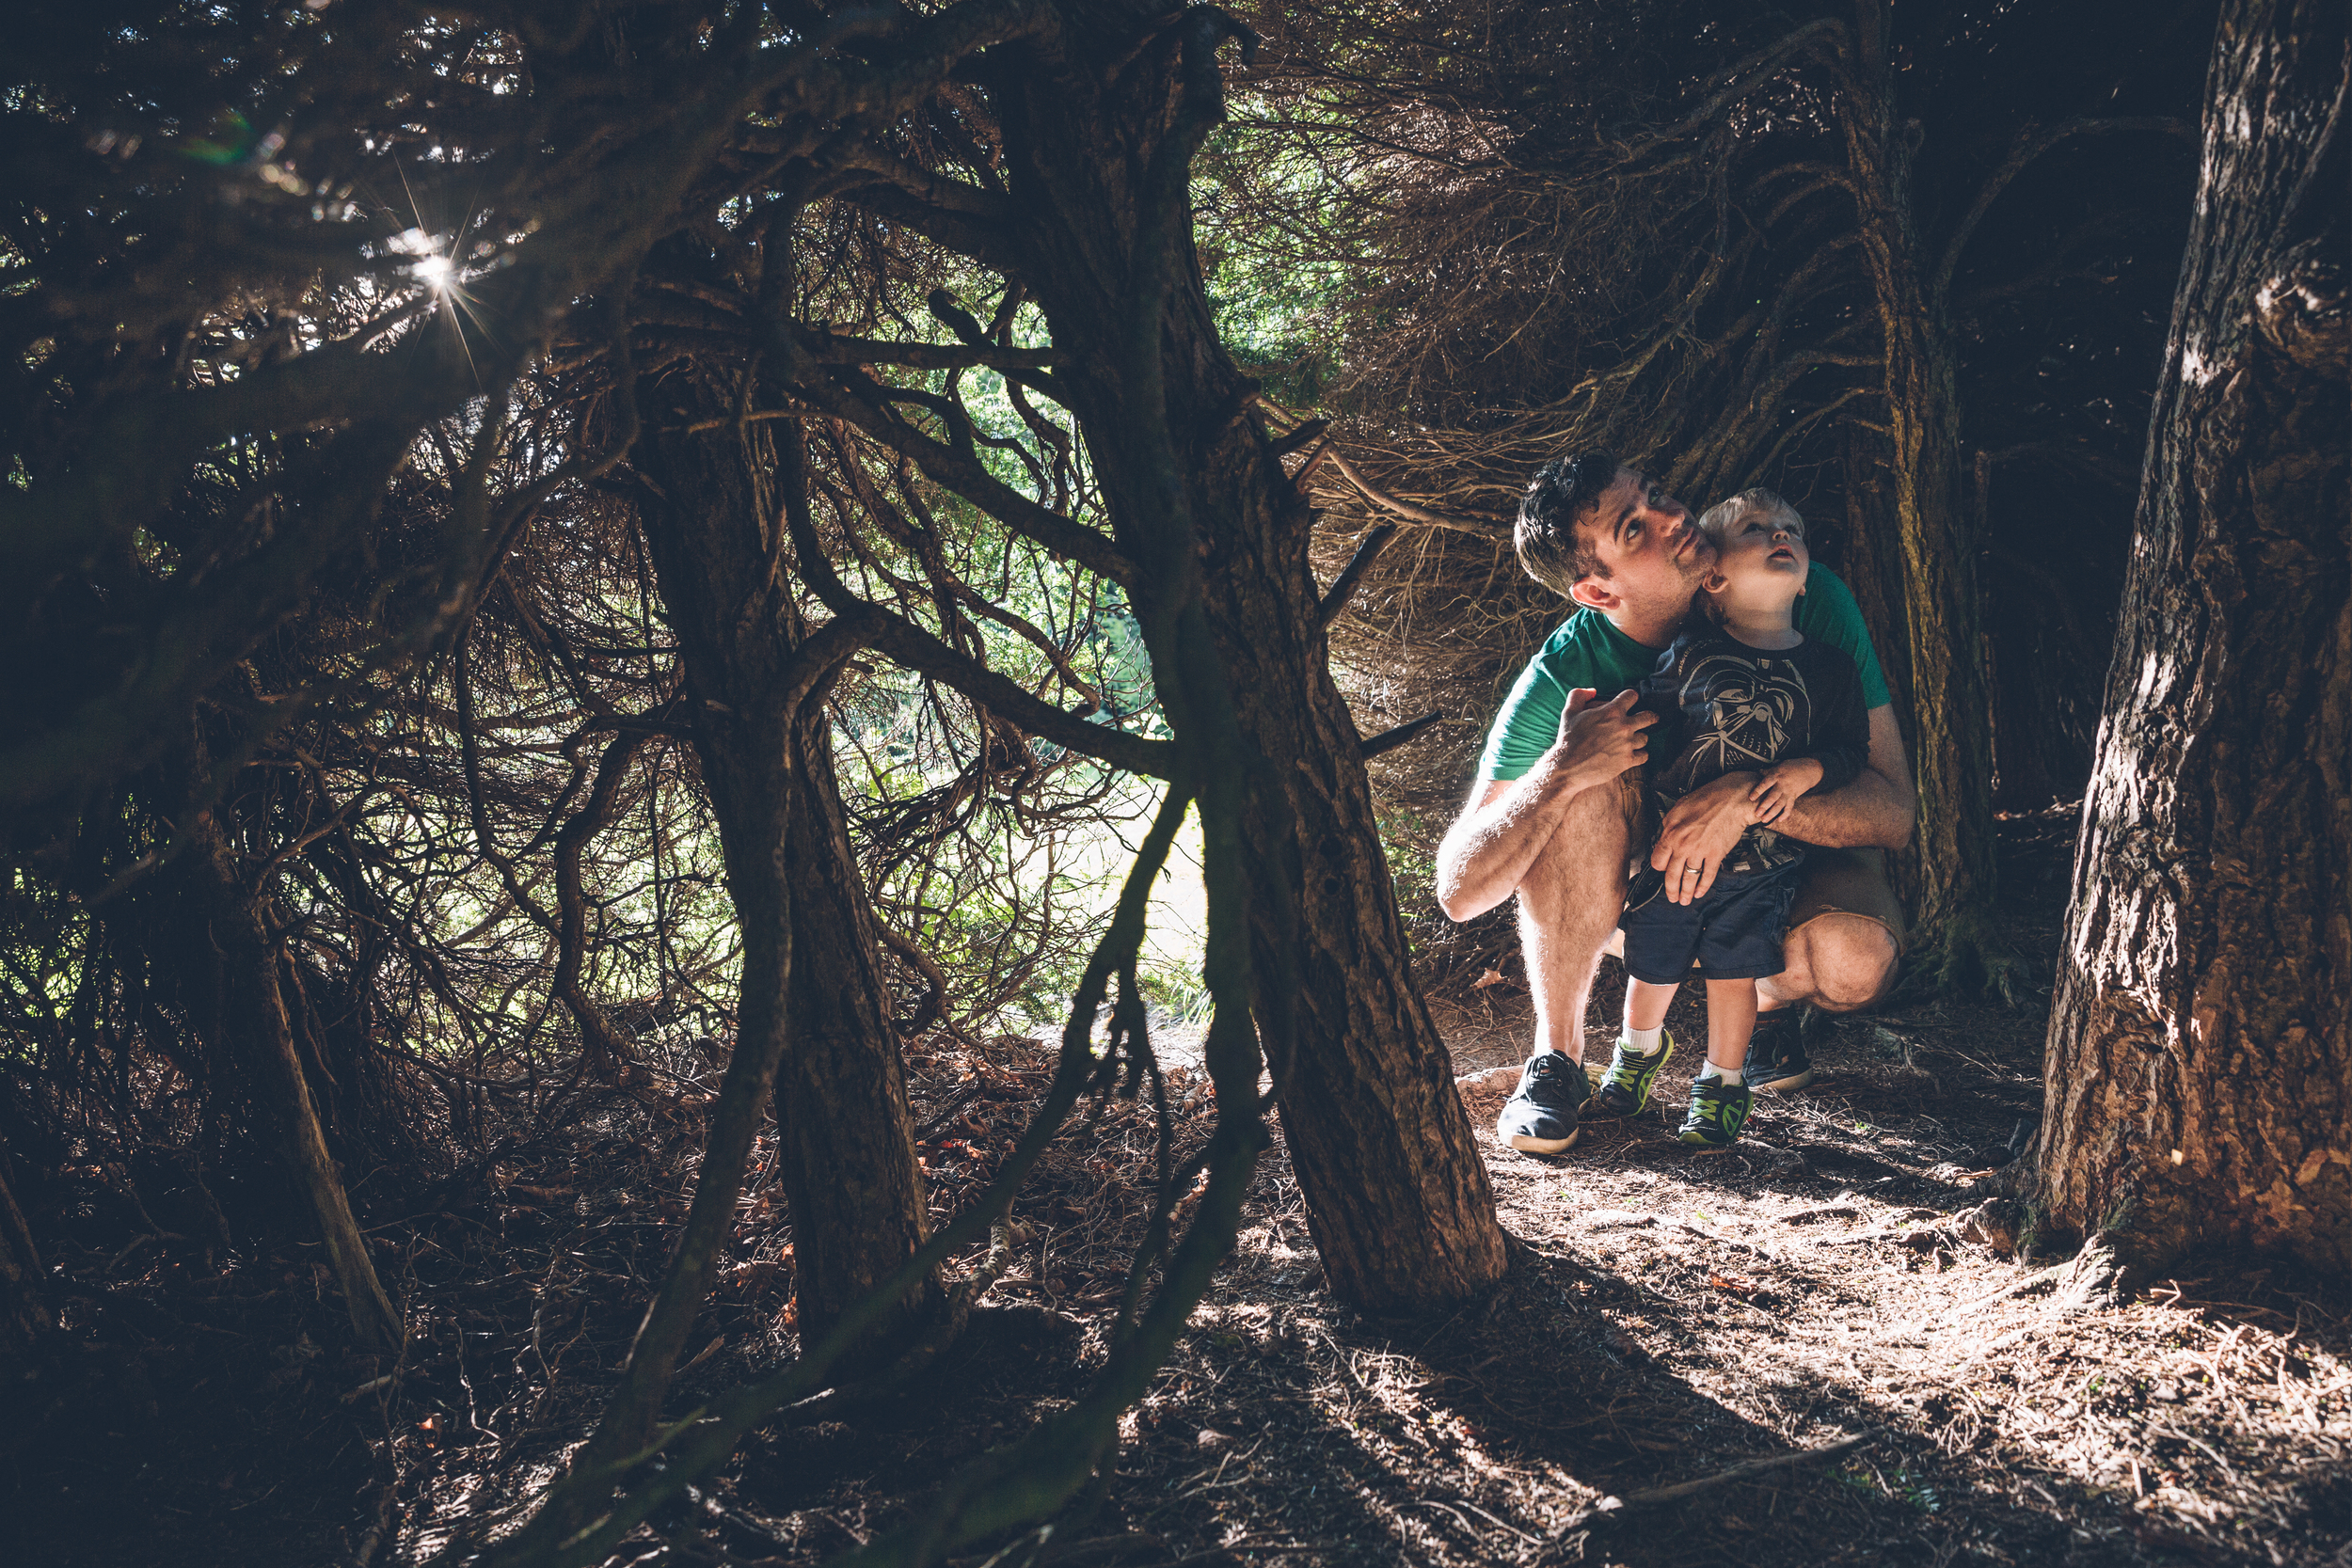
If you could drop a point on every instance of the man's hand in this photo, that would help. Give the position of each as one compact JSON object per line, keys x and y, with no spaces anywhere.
{"x":1699,"y":831}
{"x":1782,"y":782}
{"x":1599,"y":740}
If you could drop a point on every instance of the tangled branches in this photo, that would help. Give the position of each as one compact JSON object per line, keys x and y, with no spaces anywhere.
{"x":509,"y":584}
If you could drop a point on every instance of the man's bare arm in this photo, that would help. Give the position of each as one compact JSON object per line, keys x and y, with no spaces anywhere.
{"x":1875,"y":808}
{"x":1485,"y":854}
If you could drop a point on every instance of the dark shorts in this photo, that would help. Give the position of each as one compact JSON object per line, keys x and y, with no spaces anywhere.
{"x":1734,"y":932}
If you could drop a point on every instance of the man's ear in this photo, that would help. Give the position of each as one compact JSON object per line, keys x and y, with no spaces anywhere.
{"x":1594,"y":594}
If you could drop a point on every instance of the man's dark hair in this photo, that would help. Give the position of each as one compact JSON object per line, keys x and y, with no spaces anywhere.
{"x":1565,"y":491}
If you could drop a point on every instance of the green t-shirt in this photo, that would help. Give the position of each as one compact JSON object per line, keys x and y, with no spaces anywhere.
{"x":1589,"y":650}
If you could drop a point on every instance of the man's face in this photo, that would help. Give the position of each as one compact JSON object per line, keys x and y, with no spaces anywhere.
{"x":1654,"y":554}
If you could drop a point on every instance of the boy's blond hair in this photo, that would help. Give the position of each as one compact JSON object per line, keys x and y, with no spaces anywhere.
{"x":1717,"y":519}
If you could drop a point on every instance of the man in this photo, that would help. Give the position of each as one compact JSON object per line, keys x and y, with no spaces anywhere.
{"x":1558,"y":805}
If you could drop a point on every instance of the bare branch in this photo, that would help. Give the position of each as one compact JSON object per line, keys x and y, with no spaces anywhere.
{"x":1484,"y":529}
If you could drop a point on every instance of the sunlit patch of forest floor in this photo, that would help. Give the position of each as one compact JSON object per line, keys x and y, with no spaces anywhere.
{"x":1668,"y":1319}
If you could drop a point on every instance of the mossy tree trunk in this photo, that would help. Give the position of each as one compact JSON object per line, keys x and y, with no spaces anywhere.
{"x":25,"y":1317}
{"x":814,"y":1003}
{"x":1397,"y":1196}
{"x":2198,"y":1065}
{"x":1872,"y":566}
{"x":257,"y":1030}
{"x":1950,"y":729}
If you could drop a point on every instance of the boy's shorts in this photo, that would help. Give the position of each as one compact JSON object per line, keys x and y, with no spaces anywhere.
{"x":1735,"y":931}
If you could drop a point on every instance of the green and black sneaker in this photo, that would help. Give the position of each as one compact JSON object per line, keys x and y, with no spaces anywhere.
{"x":1718,"y":1111}
{"x":1624,"y":1087}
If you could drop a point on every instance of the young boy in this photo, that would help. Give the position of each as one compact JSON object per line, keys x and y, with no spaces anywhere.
{"x":1741,"y":690}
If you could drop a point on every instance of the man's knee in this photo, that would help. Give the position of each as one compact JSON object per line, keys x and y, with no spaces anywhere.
{"x":1846,"y":962}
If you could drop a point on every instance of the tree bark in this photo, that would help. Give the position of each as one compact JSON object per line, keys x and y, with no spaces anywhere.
{"x":1872,"y":567}
{"x":815,"y":1002}
{"x":261,"y":1035}
{"x":1398,"y":1195}
{"x":2200,"y":1071}
{"x":25,"y":1317}
{"x":1950,"y":722}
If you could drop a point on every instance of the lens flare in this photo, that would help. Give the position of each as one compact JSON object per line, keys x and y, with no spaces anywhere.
{"x":434,"y":270}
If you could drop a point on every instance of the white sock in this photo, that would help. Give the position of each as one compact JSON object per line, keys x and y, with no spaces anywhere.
{"x":1729,"y":1075}
{"x":1645,"y":1042}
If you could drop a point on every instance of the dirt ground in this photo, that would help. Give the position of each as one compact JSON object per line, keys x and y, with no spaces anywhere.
{"x":1807,"y":1299}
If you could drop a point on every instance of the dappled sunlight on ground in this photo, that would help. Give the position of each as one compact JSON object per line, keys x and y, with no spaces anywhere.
{"x":1668,"y":1319}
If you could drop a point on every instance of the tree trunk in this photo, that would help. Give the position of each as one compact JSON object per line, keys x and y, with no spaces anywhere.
{"x":1951,"y":739}
{"x":2200,"y":1071}
{"x":25,"y":1314}
{"x":261,"y":1035}
{"x":1872,"y":567}
{"x":814,"y":997}
{"x":1397,"y":1196}
{"x":598,"y":1040}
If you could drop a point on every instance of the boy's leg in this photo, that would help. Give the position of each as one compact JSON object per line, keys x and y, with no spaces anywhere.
{"x":1645,"y":1004}
{"x":1718,"y":1100}
{"x":1730,"y":1020}
{"x":1642,"y":1049}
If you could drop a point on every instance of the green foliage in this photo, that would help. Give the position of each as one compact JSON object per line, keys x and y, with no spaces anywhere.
{"x":1277,"y":303}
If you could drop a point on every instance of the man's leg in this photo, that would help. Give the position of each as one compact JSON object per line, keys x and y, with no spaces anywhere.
{"x":1844,"y":935}
{"x":1569,"y":902}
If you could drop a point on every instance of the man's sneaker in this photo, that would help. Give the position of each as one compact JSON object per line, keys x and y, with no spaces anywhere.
{"x":1541,"y":1118}
{"x":1718,"y":1111}
{"x":1625,"y":1089}
{"x":1776,"y":1058}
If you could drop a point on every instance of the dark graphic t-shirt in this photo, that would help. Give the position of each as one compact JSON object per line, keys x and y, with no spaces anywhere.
{"x":1724,"y":708}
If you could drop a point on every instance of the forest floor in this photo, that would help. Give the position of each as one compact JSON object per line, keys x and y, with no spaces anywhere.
{"x":1670,"y":1319}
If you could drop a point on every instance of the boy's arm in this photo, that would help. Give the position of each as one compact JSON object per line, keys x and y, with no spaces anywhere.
{"x":1841,"y":732}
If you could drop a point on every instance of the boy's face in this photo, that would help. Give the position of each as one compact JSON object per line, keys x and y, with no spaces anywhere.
{"x":1760,"y":561}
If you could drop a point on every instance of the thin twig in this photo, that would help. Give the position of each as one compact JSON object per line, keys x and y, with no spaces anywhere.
{"x":1751,"y":1469}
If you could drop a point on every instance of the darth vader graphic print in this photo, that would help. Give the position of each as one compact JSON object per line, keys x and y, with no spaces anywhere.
{"x":1744,"y":712}
{"x":1724,"y":708}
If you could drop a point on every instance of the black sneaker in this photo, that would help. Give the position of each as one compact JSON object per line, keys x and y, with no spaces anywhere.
{"x":1541,"y":1118}
{"x":1776,"y":1058}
